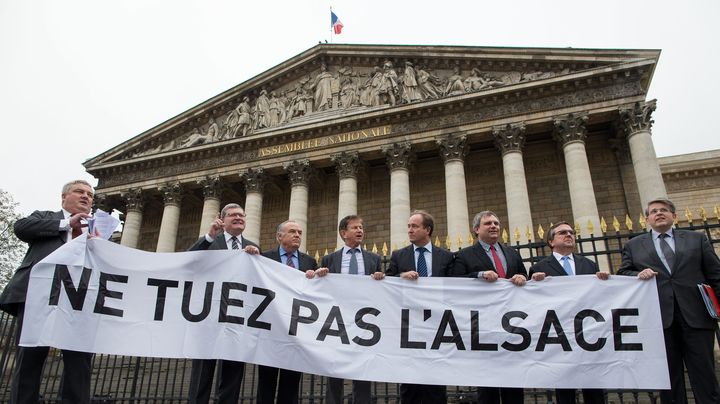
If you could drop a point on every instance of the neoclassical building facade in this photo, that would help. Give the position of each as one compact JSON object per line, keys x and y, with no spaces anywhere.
{"x":537,"y":135}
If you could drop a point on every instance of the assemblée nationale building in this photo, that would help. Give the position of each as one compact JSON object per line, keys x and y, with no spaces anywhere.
{"x":537,"y":135}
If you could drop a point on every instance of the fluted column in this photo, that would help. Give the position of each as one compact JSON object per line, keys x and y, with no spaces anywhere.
{"x":254,"y":180}
{"x":398,"y":156}
{"x":510,"y":140}
{"x":172,"y":194}
{"x":346,"y":164}
{"x":453,"y":150}
{"x":134,"y":204}
{"x":299,"y":172}
{"x":637,"y":124}
{"x":570,"y":132}
{"x":212,"y":192}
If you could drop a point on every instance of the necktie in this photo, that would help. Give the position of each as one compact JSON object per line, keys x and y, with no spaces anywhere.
{"x":353,"y":261}
{"x":667,"y":251}
{"x":235,"y":245}
{"x":498,"y":263}
{"x":290,"y":262}
{"x":421,"y":264}
{"x":566,"y":265}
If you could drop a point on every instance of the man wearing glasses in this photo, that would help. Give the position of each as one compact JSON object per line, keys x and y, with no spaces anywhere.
{"x":563,"y":262}
{"x":679,"y":260}
{"x":225,"y":233}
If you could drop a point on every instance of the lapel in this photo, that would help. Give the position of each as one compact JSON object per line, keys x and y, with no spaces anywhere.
{"x":409,"y":253}
{"x":680,"y":242}
{"x":582,"y":266}
{"x":555,"y":265}
{"x":336,"y":261}
{"x":649,"y":246}
{"x":368,"y":262}
{"x":482,"y":256}
{"x":220,"y":243}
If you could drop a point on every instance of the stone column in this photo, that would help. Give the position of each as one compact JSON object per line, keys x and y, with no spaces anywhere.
{"x":299,"y":172}
{"x":212,"y":192}
{"x":637,"y":125}
{"x":570,"y":132}
{"x":254,"y":180}
{"x":172,"y":194}
{"x":453,"y":150}
{"x":620,"y":146}
{"x":346,"y":164}
{"x":398,"y":156}
{"x":510,"y":140}
{"x":134,"y":203}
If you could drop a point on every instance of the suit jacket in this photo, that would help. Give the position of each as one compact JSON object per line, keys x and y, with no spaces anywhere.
{"x":403,"y":260}
{"x":41,"y":232}
{"x":550,"y":266}
{"x":306,"y":262}
{"x":219,"y":244}
{"x":471,"y":261}
{"x":695,"y":262}
{"x":334,"y":262}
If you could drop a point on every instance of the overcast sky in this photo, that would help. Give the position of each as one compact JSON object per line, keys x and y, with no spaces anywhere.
{"x":79,"y":77}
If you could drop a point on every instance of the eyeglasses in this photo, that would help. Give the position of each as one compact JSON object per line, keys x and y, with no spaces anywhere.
{"x":659,"y":210}
{"x":240,"y":215}
{"x":565,"y":232}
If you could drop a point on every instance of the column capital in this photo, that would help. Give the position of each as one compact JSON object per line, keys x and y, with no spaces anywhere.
{"x":638,"y":117}
{"x":510,"y":137}
{"x":212,"y":187}
{"x":570,"y":128}
{"x":452,"y":147}
{"x":254,"y":179}
{"x":172,"y":193}
{"x":134,"y":199}
{"x":346,"y":164}
{"x":398,"y":155}
{"x":299,"y":171}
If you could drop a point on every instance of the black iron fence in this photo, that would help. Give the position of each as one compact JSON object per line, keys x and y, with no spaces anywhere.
{"x":123,"y":379}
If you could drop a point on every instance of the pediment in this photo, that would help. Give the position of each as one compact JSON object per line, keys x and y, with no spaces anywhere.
{"x":331,"y":81}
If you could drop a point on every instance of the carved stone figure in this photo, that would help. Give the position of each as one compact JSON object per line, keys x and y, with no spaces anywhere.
{"x":481,"y":81}
{"x":428,"y":84}
{"x":323,"y":89}
{"x":197,"y":137}
{"x":213,"y":131}
{"x":411,"y":91}
{"x":261,"y":111}
{"x":238,"y":120}
{"x":349,"y":95}
{"x":388,"y":85}
{"x":276,"y":111}
{"x":284,"y":104}
{"x":369,"y":92}
{"x":455,"y":84}
{"x":301,"y":103}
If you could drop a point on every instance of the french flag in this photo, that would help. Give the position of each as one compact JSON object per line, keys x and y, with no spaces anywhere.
{"x":335,"y":23}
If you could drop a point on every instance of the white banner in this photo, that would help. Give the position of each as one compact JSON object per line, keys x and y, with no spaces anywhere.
{"x":579,"y":331}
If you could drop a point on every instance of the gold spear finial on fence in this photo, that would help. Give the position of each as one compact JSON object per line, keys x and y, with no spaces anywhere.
{"x":375,"y":249}
{"x":365,"y":247}
{"x":528,"y":233}
{"x":540,"y":232}
{"x":459,"y":242}
{"x":716,"y":209}
{"x":688,"y":216}
{"x":603,"y":225}
{"x":703,"y":214}
{"x":326,"y":252}
{"x":437,"y":241}
{"x":448,"y":242}
{"x":590,"y":227}
{"x":317,"y":255}
{"x":516,"y":234}
{"x":628,"y":222}
{"x":471,"y":240}
{"x":616,"y":224}
{"x":384,"y":249}
{"x":504,"y":236}
{"x":641,"y":220}
{"x":577,"y":228}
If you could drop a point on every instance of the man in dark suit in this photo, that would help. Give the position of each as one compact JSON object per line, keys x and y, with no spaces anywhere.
{"x":351,"y":259}
{"x":289,"y":237}
{"x":561,"y":238}
{"x":421,"y":259}
{"x":225,"y":233}
{"x":489,"y":260}
{"x":46,"y":231}
{"x":679,"y":260}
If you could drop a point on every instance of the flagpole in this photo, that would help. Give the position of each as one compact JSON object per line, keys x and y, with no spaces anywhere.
{"x":331,"y":26}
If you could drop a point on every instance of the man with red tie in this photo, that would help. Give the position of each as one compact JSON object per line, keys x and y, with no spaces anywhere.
{"x":489,"y":260}
{"x":44,"y":232}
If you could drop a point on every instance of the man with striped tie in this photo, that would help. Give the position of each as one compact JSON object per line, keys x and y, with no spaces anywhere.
{"x":225,"y":233}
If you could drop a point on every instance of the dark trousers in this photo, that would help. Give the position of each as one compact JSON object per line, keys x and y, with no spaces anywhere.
{"x":334,"y":392}
{"x":694,"y":347}
{"x":287,"y":387}
{"x":422,"y":394}
{"x":590,"y":396}
{"x":230,"y":380}
{"x":29,"y":362}
{"x":494,"y":395}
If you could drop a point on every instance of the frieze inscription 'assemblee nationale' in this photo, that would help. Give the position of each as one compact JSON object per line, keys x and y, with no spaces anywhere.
{"x":325,"y":141}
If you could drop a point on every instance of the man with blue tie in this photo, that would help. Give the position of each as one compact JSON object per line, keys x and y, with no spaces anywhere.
{"x":489,"y":260}
{"x":679,"y":260}
{"x":418,"y":260}
{"x":563,"y":262}
{"x":351,"y":259}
